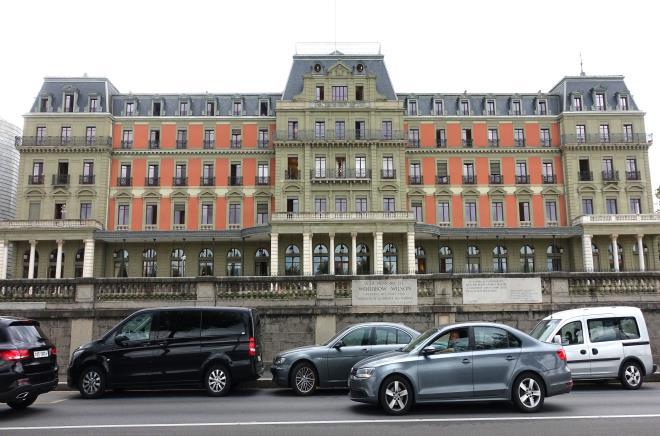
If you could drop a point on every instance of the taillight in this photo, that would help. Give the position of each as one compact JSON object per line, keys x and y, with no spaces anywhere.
{"x":53,"y":351}
{"x":11,"y":355}
{"x":252,"y":347}
{"x":561,"y":354}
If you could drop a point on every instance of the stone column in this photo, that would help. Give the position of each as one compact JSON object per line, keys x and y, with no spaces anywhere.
{"x":640,"y":252}
{"x":412,"y":267}
{"x":615,"y":252}
{"x":88,"y":259}
{"x":33,"y":250}
{"x":587,"y":256}
{"x":353,"y":253}
{"x":331,"y":260}
{"x":58,"y":262}
{"x":4,"y":252}
{"x":378,"y":253}
{"x":274,"y":254}
{"x":307,"y":254}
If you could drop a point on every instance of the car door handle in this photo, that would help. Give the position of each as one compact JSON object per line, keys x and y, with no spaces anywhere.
{"x":510,"y":358}
{"x":583,"y":351}
{"x":365,"y":350}
{"x":594,"y":351}
{"x":466,"y":361}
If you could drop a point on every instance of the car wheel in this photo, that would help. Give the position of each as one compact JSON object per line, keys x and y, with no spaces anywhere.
{"x":22,"y":403}
{"x":528,"y":393}
{"x":304,"y":380}
{"x":396,"y":395}
{"x":92,"y":382}
{"x":631,"y":376}
{"x":217,"y":381}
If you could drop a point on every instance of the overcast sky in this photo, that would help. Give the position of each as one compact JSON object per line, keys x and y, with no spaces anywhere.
{"x":246,"y":46}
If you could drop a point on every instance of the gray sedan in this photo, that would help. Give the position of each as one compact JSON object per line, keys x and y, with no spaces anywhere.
{"x":464,"y":362}
{"x":328,"y":365}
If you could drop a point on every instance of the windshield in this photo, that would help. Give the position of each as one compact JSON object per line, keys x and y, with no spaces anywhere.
{"x":418,"y":340}
{"x":332,"y":339}
{"x":544,"y":329}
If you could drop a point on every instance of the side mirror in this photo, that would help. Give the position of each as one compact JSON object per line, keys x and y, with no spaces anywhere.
{"x":121,"y":339}
{"x":427,"y":351}
{"x":557,"y":339}
{"x":338,"y":344}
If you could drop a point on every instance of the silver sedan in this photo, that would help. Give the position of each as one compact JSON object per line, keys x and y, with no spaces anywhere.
{"x":463,"y":362}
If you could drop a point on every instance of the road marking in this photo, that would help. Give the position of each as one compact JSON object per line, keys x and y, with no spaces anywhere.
{"x":340,"y":421}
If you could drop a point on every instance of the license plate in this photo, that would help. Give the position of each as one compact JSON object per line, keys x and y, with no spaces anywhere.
{"x":42,"y":353}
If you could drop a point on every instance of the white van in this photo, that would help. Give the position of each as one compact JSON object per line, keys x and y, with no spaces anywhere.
{"x":602,"y":343}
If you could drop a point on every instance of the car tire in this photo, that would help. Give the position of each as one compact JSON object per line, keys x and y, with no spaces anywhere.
{"x":22,"y":403}
{"x":396,"y":395}
{"x":217,"y":380}
{"x":631,"y":376}
{"x":304,"y":379}
{"x":91,"y":383}
{"x":528,"y":393}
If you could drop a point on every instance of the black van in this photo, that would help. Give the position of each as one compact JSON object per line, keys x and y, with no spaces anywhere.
{"x":211,"y":347}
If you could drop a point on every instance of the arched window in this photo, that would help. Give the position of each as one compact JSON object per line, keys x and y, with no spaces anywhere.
{"x":527,"y":258}
{"x":445,"y":259}
{"x":499,"y":259}
{"x":52,"y":264}
{"x":320,"y":259}
{"x":80,"y":258}
{"x":610,"y":256}
{"x":120,"y":260}
{"x":149,"y":265}
{"x":261,"y":262}
{"x":554,"y":257}
{"x":177,"y":263}
{"x":595,"y":255}
{"x":26,"y":264}
{"x":362,"y":258}
{"x":206,"y":262}
{"x":473,"y":259}
{"x":389,"y":259}
{"x":341,"y":259}
{"x":420,"y":257}
{"x":234,"y":262}
{"x":292,"y":261}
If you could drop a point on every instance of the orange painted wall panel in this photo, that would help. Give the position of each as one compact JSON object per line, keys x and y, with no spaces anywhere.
{"x":248,"y":212}
{"x":116,"y":135}
{"x":457,"y":211}
{"x":220,"y":213}
{"x":222,"y":135}
{"x":555,"y":140}
{"x":563,"y":219}
{"x":427,"y":134}
{"x":506,"y":135}
{"x":221,"y":172}
{"x":114,"y":172}
{"x":110,"y":224}
{"x":136,"y":214}
{"x":166,"y":172}
{"x":482,"y":170}
{"x":511,"y":211}
{"x":140,"y":136}
{"x":249,"y":171}
{"x":538,"y":211}
{"x":165,"y":214}
{"x":559,"y":169}
{"x":534,"y":170}
{"x":455,"y":171}
{"x":249,"y":135}
{"x":167,"y":136}
{"x":479,"y":135}
{"x":194,"y":171}
{"x":508,"y":170}
{"x":193,"y":213}
{"x":428,"y":170}
{"x":429,"y":212}
{"x":195,"y":135}
{"x":532,"y":134}
{"x":138,"y":171}
{"x":484,"y":211}
{"x":453,"y":135}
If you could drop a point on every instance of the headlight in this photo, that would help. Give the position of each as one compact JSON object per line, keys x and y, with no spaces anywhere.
{"x":279,"y":360}
{"x":364,"y":372}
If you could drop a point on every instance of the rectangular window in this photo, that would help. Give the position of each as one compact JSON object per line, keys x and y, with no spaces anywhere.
{"x":623,"y":102}
{"x":468,"y":173}
{"x":264,"y":107}
{"x":361,"y":205}
{"x":130,"y":109}
{"x":183,"y":108}
{"x":179,"y":214}
{"x":628,"y":133}
{"x":521,"y":172}
{"x":465,"y":107}
{"x":611,"y":206}
{"x":40,"y":135}
{"x":340,"y":130}
{"x":551,"y":211}
{"x":68,"y":102}
{"x":604,"y":132}
{"x":341,"y":205}
{"x":636,"y":205}
{"x":493,"y":139}
{"x":262,"y":213}
{"x":87,"y":173}
{"x":151,"y":215}
{"x":236,"y":138}
{"x":600,"y":101}
{"x":320,"y":95}
{"x":388,"y":167}
{"x":442,"y":214}
{"x":412,"y":107}
{"x":264,"y":142}
{"x":127,"y":139}
{"x":471,"y":213}
{"x":577,"y":104}
{"x":234,"y":214}
{"x":438,"y":107}
{"x":416,"y":208}
{"x":319,"y":130}
{"x":497,"y":208}
{"x":292,"y":205}
{"x":519,"y":137}
{"x":207,"y":214}
{"x":545,"y":137}
{"x":209,"y":138}
{"x":543,"y":107}
{"x":413,"y":138}
{"x":292,"y":130}
{"x":415,"y":173}
{"x":156,"y":109}
{"x":360,"y":132}
{"x":319,"y":166}
{"x":495,"y":172}
{"x":237,"y":108}
{"x":34,"y":212}
{"x":320,"y":205}
{"x":581,"y":133}
{"x":85,"y":211}
{"x":548,"y":172}
{"x":154,"y":139}
{"x":181,"y":138}
{"x":466,"y":137}
{"x":152,"y":175}
{"x":125,"y":170}
{"x":359,"y":92}
{"x":440,"y":138}
{"x":340,"y":93}
{"x":360,"y":166}
{"x":210,"y":108}
{"x":490,"y":107}
{"x":386,"y":127}
{"x":524,"y":214}
{"x":516,"y":108}
{"x":65,"y":135}
{"x":388,"y":204}
{"x":90,"y":135}
{"x":235,"y":174}
{"x":123,"y":214}
{"x":631,"y":169}
{"x":43,"y":107}
{"x":587,"y":206}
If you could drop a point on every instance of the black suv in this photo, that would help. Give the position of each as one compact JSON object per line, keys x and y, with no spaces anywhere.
{"x":211,"y":347}
{"x":28,"y":362}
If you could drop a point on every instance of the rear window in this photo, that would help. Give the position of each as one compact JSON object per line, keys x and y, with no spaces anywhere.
{"x":613,"y":329}
{"x":219,"y":323}
{"x":27,"y":334}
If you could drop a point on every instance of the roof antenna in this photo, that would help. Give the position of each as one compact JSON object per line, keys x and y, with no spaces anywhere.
{"x":581,"y":69}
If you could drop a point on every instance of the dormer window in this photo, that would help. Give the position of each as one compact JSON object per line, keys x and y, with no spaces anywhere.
{"x":210,"y":108}
{"x":130,"y":108}
{"x":43,"y":104}
{"x":157,"y":108}
{"x":412,"y":107}
{"x":600,"y":101}
{"x":438,"y":107}
{"x":543,"y":107}
{"x":94,"y":104}
{"x":237,"y":109}
{"x":68,"y":102}
{"x":623,"y":102}
{"x":490,"y":107}
{"x":263,"y":108}
{"x":516,"y":107}
{"x":577,"y":103}
{"x":465,"y":107}
{"x":183,"y":108}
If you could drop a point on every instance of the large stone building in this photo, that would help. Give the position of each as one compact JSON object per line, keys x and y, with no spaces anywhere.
{"x":336,"y":175}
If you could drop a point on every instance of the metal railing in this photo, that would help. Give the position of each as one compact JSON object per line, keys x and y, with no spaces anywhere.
{"x":467,"y":143}
{"x":413,"y":143}
{"x":87,"y":179}
{"x":585,"y":176}
{"x":591,"y":138}
{"x":493,"y":142}
{"x":56,"y":141}
{"x":209,"y":143}
{"x":180,"y":181}
{"x":181,"y":144}
{"x":236,"y":143}
{"x":262,"y":180}
{"x":519,"y":142}
{"x":207,"y":181}
{"x":633,"y":175}
{"x":124,"y":181}
{"x":291,"y":175}
{"x":345,"y":174}
{"x":348,"y":135}
{"x":441,"y":180}
{"x":341,"y":216}
{"x":152,"y":181}
{"x":522,"y":179}
{"x":126,"y":145}
{"x":610,"y":176}
{"x":235,"y":181}
{"x":263,"y":144}
{"x":469,"y":180}
{"x":154,"y":145}
{"x":36,"y":180}
{"x":61,"y":179}
{"x":549,"y":178}
{"x":415,"y":180}
{"x":441,"y":143}
{"x":496,"y":179}
{"x":617,"y":218}
{"x":388,"y":174}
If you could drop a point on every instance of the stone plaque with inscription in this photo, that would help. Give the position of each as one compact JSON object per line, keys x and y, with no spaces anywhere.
{"x":394,"y":292}
{"x":502,"y":290}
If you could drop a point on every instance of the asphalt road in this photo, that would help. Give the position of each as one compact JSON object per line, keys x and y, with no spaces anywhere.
{"x":588,"y":410}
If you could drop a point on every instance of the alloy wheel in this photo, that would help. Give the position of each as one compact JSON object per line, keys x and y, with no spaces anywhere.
{"x":633,"y":375}
{"x":217,"y":380}
{"x":396,"y":396}
{"x":305,"y":379}
{"x":91,"y":382}
{"x":529,"y":393}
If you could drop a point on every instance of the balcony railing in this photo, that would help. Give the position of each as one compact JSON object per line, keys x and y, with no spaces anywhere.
{"x":522,"y":179}
{"x":496,"y":179}
{"x":47,"y":224}
{"x":610,"y":176}
{"x":413,"y":143}
{"x":341,"y":216}
{"x":519,"y":142}
{"x":207,"y":181}
{"x":126,"y":145}
{"x":549,"y":178}
{"x":585,"y":176}
{"x":349,"y":135}
{"x":181,"y":144}
{"x":152,"y":181}
{"x":494,"y":143}
{"x":291,"y":174}
{"x":262,"y":180}
{"x":209,"y":143}
{"x":618,"y":138}
{"x":466,"y":143}
{"x":651,"y":218}
{"x":469,"y":180}
{"x":263,"y":143}
{"x":61,"y":179}
{"x":36,"y":180}
{"x":236,"y":143}
{"x":124,"y":181}
{"x":57,"y":141}
{"x":154,"y":145}
{"x":441,"y":180}
{"x":441,"y":143}
{"x":345,"y":174}
{"x":388,"y":174}
{"x":633,"y":175}
{"x":235,"y":181}
{"x":180,"y":181}
{"x":415,"y":180}
{"x":87,"y":179}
